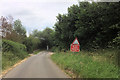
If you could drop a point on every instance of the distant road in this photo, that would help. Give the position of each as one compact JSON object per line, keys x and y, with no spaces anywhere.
{"x":37,"y":66}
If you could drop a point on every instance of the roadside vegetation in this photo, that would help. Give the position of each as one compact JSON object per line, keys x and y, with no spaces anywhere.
{"x":12,"y":53}
{"x":97,"y":27}
{"x":88,"y":64}
{"x":36,"y":51}
{"x":16,"y":45}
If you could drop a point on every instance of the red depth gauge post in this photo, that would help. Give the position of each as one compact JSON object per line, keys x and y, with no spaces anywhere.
{"x":75,"y":46}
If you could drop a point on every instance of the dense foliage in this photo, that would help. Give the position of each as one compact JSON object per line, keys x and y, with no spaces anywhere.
{"x":41,"y":39}
{"x":12,"y":30}
{"x":12,"y":52}
{"x":96,"y":25}
{"x":16,"y":48}
{"x":31,"y":43}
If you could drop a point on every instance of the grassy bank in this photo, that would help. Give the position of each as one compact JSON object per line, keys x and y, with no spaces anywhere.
{"x":12,"y":53}
{"x":9,"y":59}
{"x":87,"y":64}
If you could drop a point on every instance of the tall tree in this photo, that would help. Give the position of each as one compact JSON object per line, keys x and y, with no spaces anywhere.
{"x":19,"y":28}
{"x":6,"y":25}
{"x":92,"y":23}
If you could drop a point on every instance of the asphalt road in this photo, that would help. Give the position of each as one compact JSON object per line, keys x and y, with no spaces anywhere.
{"x":37,"y":66}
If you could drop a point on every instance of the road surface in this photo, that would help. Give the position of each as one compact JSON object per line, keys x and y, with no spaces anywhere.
{"x":37,"y":66}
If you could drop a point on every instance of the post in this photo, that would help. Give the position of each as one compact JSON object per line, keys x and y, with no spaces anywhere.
{"x":47,"y":47}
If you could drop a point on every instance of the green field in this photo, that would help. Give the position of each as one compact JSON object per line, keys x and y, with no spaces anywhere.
{"x":87,"y":64}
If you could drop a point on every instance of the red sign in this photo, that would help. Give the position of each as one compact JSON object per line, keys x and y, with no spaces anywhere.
{"x":75,"y":46}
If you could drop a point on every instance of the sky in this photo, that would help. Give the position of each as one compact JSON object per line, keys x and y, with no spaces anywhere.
{"x":35,"y":14}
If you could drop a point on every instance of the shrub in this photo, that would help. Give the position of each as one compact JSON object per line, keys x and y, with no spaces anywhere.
{"x":12,"y":53}
{"x":12,"y":46}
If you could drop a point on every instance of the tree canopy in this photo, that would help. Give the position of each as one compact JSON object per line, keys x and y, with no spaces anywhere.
{"x":94,"y":24}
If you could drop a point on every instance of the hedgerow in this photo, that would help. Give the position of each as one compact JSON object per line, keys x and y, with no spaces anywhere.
{"x":12,"y":52}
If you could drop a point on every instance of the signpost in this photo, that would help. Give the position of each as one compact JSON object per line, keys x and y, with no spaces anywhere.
{"x":75,"y":46}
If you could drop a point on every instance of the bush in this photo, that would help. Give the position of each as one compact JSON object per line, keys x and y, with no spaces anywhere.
{"x":12,"y":53}
{"x":55,"y":49}
{"x":31,"y":44}
{"x":12,"y":46}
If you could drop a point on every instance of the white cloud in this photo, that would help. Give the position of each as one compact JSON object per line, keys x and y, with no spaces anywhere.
{"x":35,"y":14}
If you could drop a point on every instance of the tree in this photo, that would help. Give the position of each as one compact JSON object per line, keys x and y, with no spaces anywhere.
{"x":46,"y":37}
{"x":28,"y":43}
{"x":6,"y":25}
{"x":35,"y":33}
{"x":90,"y":22}
{"x":19,"y":28}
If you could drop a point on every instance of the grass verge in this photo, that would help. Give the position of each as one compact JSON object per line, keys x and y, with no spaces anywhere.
{"x":86,"y":65}
{"x":36,"y":51}
{"x":9,"y":59}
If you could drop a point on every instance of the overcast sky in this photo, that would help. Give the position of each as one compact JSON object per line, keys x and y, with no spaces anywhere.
{"x":35,"y":14}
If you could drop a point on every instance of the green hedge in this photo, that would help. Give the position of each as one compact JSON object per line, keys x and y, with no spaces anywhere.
{"x":12,"y":52}
{"x":12,"y":46}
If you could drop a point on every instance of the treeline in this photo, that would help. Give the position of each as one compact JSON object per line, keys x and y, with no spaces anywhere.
{"x":12,"y":52}
{"x":13,"y":34}
{"x":96,"y":25}
{"x":14,"y":31}
{"x":16,"y":45}
{"x":40,"y":40}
